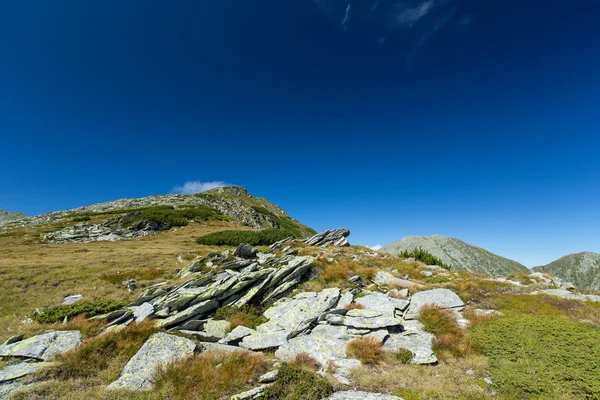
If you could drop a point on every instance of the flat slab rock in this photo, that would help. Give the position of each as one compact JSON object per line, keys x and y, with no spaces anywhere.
{"x":16,"y":371}
{"x":383,"y":278}
{"x":160,"y":349}
{"x":351,"y":395}
{"x":43,"y":347}
{"x":364,"y":319}
{"x":325,"y":343}
{"x":419,"y":342}
{"x":383,"y":303}
{"x":442,"y":297}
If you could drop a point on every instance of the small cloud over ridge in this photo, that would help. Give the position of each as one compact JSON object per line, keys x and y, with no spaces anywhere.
{"x":376,"y":247}
{"x":193,"y":187}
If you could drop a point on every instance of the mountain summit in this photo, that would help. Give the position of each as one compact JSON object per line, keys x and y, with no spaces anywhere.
{"x":582,"y":269}
{"x":458,"y":254}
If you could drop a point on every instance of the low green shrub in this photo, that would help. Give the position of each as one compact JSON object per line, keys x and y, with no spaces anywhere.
{"x":298,"y":384}
{"x":89,"y":309}
{"x":264,"y":237}
{"x":81,"y":219}
{"x":178,"y":217}
{"x":424,"y":256}
{"x":536,"y":356}
{"x":403,"y":356}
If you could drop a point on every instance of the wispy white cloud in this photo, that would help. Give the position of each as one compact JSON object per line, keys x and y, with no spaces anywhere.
{"x":193,"y":187}
{"x":411,"y":15}
{"x":376,"y":247}
{"x":347,"y":16}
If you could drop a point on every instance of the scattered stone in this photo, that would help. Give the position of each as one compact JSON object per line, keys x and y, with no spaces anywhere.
{"x":12,"y":339}
{"x":199,"y":335}
{"x":237,"y":334}
{"x":352,"y":395}
{"x":325,"y":343}
{"x":72,"y":299}
{"x":383,"y":278}
{"x":43,"y":347}
{"x":245,"y":251}
{"x":264,"y":341}
{"x":442,"y":297}
{"x":160,"y":349}
{"x":565,"y":294}
{"x":268,"y":377}
{"x":217,"y":328}
{"x":398,"y":294}
{"x":336,"y":237}
{"x":252,"y":394}
{"x":207,"y":346}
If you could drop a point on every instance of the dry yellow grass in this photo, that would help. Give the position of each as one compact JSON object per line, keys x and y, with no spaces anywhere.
{"x":448,"y":380}
{"x":367,"y":349}
{"x":35,"y":274}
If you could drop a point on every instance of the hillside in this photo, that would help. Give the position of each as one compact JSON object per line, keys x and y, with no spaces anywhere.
{"x":582,"y":269}
{"x":459,"y":255}
{"x":161,"y":312}
{"x":7,"y":217}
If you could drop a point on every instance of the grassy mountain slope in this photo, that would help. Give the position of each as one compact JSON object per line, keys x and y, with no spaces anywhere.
{"x":458,"y":254}
{"x":581,"y":269}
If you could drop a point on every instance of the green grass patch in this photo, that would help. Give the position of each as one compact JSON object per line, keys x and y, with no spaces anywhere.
{"x":536,"y":351}
{"x":82,"y":218}
{"x":54,"y":314}
{"x":294,"y":383}
{"x":264,"y":237}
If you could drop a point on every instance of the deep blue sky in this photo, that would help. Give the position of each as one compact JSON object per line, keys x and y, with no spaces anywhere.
{"x":473,"y":119}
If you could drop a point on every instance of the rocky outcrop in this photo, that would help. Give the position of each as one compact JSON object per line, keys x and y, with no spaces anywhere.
{"x":336,"y":237}
{"x":582,"y":269}
{"x":8,"y":217}
{"x":355,"y":395}
{"x":234,"y":202}
{"x":457,"y":254}
{"x":160,"y":350}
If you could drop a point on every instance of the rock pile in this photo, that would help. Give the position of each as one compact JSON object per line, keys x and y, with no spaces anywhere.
{"x":336,"y":237}
{"x":123,"y":227}
{"x":252,"y":278}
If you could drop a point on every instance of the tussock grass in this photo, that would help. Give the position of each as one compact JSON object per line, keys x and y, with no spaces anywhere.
{"x":102,"y":356}
{"x":443,"y":382}
{"x":450,"y":338}
{"x":249,"y":316}
{"x":210,"y":375}
{"x":306,"y":362}
{"x":367,"y":349}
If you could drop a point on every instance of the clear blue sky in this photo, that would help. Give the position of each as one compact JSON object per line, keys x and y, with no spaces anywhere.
{"x":473,"y":119}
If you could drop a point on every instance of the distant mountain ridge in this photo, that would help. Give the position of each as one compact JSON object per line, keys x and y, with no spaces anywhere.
{"x":6,"y":217}
{"x":458,"y":254}
{"x":581,"y":269}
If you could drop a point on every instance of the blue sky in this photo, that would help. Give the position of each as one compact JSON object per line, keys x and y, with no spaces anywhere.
{"x":472,"y":119}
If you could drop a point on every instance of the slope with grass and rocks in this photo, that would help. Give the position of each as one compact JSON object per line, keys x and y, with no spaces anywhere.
{"x":582,"y":269}
{"x":197,"y":312}
{"x":457,"y":254}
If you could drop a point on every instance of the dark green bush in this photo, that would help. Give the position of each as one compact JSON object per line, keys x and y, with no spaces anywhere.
{"x":297,"y":384}
{"x":424,"y":256}
{"x":404,"y":356}
{"x":89,"y":309}
{"x":81,"y":219}
{"x":265,"y":237}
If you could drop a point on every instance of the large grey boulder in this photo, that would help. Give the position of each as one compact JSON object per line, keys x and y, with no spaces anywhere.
{"x":378,"y":302}
{"x":296,"y":315}
{"x":246,"y":251}
{"x":442,"y":297}
{"x":325,"y":343}
{"x":159,"y":350}
{"x":352,"y":395}
{"x":336,"y":237}
{"x":217,"y":328}
{"x":415,"y":339}
{"x":237,"y":334}
{"x":43,"y":347}
{"x":383,"y":278}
